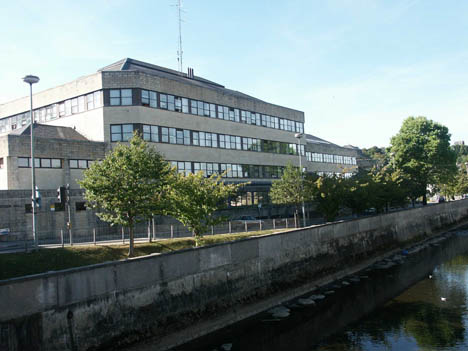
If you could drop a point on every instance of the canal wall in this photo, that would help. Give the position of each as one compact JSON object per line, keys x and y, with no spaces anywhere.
{"x":102,"y":306}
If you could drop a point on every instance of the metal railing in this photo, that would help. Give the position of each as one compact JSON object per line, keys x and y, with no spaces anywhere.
{"x":148,"y":231}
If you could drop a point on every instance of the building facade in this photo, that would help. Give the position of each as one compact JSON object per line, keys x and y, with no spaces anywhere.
{"x":197,"y":124}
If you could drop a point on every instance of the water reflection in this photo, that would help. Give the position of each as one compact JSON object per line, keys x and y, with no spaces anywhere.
{"x":430,"y":315}
{"x":376,"y":312}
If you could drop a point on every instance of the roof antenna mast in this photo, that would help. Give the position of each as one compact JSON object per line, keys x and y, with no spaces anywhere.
{"x":180,"y":52}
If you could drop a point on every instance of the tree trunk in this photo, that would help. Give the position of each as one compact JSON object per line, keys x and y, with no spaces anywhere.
{"x":130,"y":249}
{"x":424,"y":199}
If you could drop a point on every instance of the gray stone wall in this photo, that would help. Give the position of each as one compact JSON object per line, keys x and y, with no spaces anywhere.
{"x":132,"y":299}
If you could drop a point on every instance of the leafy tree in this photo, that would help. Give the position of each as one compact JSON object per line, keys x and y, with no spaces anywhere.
{"x":421,"y":151}
{"x":377,"y":156}
{"x":461,"y":150}
{"x":129,"y":185}
{"x":196,"y":198}
{"x":328,"y":194}
{"x":290,"y":189}
{"x":357,"y":192}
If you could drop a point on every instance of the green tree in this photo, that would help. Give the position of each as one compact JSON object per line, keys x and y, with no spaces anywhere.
{"x":328,"y":194}
{"x":357,"y":192}
{"x":291,"y":188}
{"x":129,"y":185}
{"x":196,"y":198}
{"x":421,"y":150}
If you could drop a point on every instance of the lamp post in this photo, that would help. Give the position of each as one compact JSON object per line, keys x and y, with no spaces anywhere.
{"x":299,"y":136}
{"x":32,"y":80}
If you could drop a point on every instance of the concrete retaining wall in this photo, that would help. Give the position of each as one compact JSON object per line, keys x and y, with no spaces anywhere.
{"x":125,"y":301}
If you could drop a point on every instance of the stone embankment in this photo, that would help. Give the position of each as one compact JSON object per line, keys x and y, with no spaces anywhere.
{"x":159,"y":297}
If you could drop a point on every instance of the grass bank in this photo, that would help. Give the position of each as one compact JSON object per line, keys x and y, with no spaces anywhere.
{"x":55,"y":259}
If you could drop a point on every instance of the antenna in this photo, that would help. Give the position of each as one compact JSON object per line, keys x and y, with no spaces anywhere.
{"x":180,"y":51}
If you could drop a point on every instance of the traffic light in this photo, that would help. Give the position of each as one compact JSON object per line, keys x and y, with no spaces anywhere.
{"x":61,"y":195}
{"x":68,"y":193}
{"x":38,"y":197}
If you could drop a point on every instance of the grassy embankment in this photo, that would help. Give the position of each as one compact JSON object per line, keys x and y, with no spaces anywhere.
{"x":55,"y":259}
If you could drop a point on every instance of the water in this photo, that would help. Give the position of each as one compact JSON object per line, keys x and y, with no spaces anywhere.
{"x":419,"y":303}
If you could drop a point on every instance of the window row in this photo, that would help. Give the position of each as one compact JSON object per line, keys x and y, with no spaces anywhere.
{"x":249,"y":198}
{"x":232,"y":170}
{"x":169,"y":102}
{"x":25,"y":162}
{"x":80,"y":164}
{"x":157,"y":134}
{"x":328,"y":158}
{"x":48,"y":113}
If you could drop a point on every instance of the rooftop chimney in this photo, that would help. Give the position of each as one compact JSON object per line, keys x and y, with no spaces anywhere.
{"x":190,"y":72}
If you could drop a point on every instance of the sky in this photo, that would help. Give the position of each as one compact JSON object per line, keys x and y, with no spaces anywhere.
{"x":356,"y":68}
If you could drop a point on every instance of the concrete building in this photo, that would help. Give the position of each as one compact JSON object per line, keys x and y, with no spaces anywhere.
{"x":326,"y":158}
{"x":195,"y":123}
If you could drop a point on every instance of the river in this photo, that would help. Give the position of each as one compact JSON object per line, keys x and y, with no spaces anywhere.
{"x":415,"y":300}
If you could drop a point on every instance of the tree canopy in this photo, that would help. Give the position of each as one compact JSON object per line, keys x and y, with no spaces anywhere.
{"x":195,"y":199}
{"x":129,"y":185}
{"x":421,"y":150}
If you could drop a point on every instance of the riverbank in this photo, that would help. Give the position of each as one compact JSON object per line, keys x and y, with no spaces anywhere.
{"x":154,"y":297}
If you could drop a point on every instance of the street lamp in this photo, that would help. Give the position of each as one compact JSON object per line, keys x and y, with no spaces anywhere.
{"x":298,"y":137}
{"x":32,"y":80}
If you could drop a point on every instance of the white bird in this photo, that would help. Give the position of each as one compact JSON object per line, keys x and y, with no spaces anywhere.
{"x":443,"y":299}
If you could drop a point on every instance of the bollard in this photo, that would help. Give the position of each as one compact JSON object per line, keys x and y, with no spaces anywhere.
{"x":230,"y":227}
{"x":172,"y":231}
{"x":71,"y":236}
{"x":123,"y":236}
{"x":212,"y":230}
{"x":260,"y":225}
{"x":274,"y":224}
{"x":245,"y":224}
{"x":94,"y":236}
{"x":295,"y":220}
{"x":61,"y":237}
{"x":154,"y":230}
{"x":286,"y":223}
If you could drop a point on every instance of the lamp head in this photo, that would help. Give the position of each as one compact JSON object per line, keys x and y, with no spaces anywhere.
{"x":298,"y":135}
{"x":30,"y":79}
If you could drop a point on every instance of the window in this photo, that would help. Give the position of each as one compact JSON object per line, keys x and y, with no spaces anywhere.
{"x":74,"y":106}
{"x":172,"y":136}
{"x":164,"y":134}
{"x":150,"y":133}
{"x":81,"y":104}
{"x":328,"y":158}
{"x":1,"y":162}
{"x":196,"y":138}
{"x":180,"y":136}
{"x":185,"y":105}
{"x":121,"y":132}
{"x":194,"y":107}
{"x":90,"y":101}
{"x":186,"y":137}
{"x":338,"y":159}
{"x":114,"y":97}
{"x":316,"y":157}
{"x":178,"y":104}
{"x":25,"y":162}
{"x":148,"y":98}
{"x":79,"y":164}
{"x":45,"y":163}
{"x":163,"y":101}
{"x":200,"y":106}
{"x":212,"y":110}
{"x":120,"y":97}
{"x":126,"y":96}
{"x":171,"y":102}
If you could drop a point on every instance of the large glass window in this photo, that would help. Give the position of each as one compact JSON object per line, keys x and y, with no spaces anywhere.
{"x":121,"y":132}
{"x":150,"y":133}
{"x":148,"y":98}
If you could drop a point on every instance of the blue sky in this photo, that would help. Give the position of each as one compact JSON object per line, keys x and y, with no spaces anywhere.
{"x":357,"y":68}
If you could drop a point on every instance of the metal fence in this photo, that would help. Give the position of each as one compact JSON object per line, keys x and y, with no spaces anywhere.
{"x":148,"y":231}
